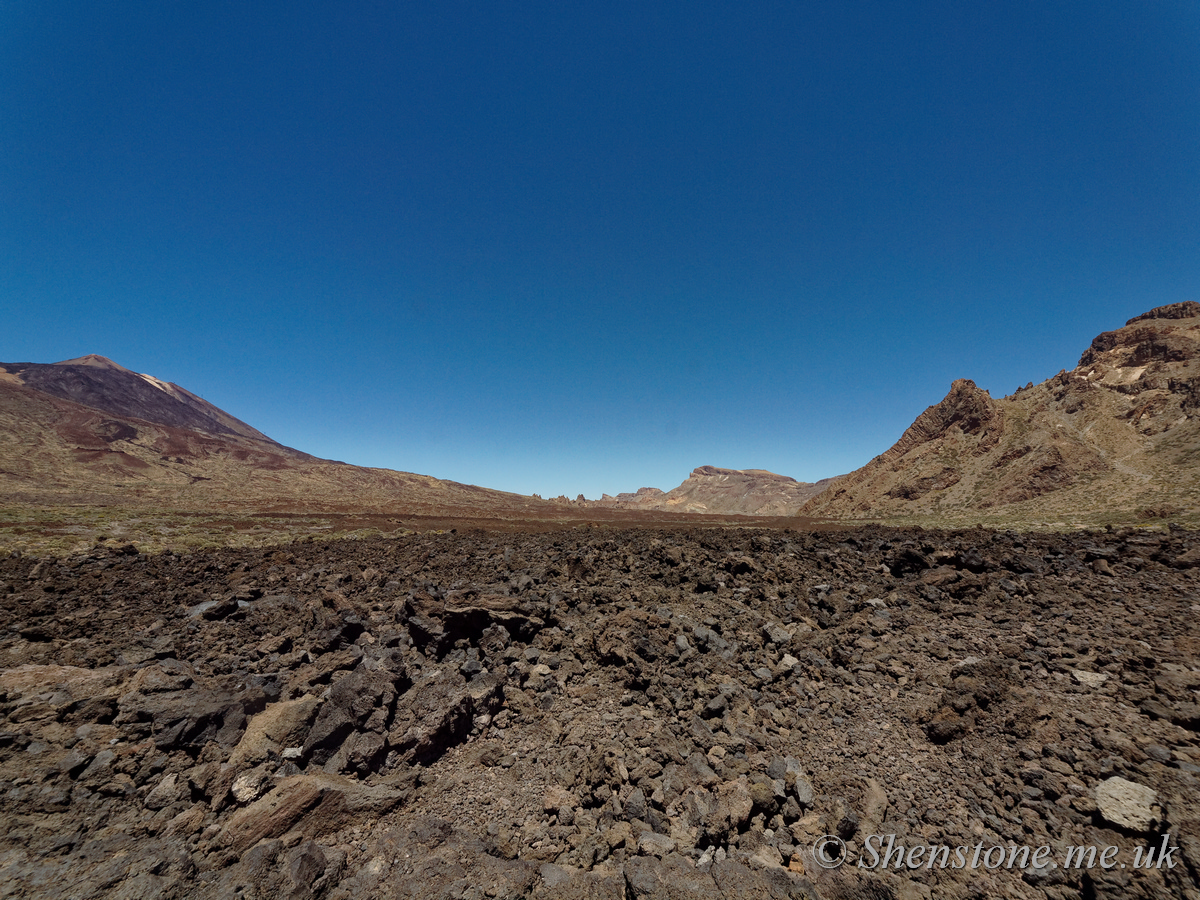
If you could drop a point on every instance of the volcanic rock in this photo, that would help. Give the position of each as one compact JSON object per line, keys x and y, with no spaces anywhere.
{"x":330,"y":745}
{"x":1127,"y":803}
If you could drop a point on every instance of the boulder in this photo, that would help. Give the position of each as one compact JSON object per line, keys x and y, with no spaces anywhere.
{"x":316,"y":803}
{"x":438,"y":712}
{"x":280,"y":725}
{"x":1127,"y":803}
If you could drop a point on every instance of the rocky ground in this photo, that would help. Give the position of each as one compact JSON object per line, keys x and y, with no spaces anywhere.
{"x":594,"y":713}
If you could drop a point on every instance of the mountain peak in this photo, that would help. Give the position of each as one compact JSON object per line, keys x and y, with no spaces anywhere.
{"x":96,"y":361}
{"x":1185,"y":310}
{"x":745,"y":474}
{"x":966,"y":408}
{"x":97,"y":382}
{"x":712,"y":489}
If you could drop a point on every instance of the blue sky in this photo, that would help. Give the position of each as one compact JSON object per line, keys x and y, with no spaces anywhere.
{"x":565,"y":248}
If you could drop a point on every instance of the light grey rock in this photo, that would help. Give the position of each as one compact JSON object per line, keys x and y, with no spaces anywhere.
{"x":1089,"y":679}
{"x":776,"y":633}
{"x":1127,"y":803}
{"x":651,"y":844}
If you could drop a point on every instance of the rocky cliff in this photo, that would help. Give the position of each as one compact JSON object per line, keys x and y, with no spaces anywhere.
{"x":1118,"y":435}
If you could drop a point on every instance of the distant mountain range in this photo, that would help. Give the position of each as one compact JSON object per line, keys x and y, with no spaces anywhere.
{"x":1117,"y":435}
{"x":751,"y":492}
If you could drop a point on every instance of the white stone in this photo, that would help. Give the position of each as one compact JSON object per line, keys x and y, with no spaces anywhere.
{"x":652,"y":844}
{"x":1091,"y":679}
{"x":165,"y":793}
{"x":1127,"y":803}
{"x":247,"y":786}
{"x":766,"y":856}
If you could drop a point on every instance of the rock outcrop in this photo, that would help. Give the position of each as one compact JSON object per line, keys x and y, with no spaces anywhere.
{"x":1118,"y":436}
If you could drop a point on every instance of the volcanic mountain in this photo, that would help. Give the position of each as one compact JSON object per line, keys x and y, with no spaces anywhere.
{"x":90,"y":431}
{"x":101,"y":384}
{"x":1117,"y":436}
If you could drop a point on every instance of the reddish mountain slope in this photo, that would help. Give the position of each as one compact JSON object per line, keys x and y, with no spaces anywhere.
{"x":91,"y":431}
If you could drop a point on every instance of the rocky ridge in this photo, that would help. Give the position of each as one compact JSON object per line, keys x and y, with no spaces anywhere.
{"x":709,"y":489}
{"x":635,"y":714}
{"x":1118,"y":436}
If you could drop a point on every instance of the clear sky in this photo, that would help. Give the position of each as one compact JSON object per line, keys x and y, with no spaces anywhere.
{"x":581,"y":247}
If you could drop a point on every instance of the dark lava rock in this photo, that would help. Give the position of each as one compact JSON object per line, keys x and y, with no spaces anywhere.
{"x":593,"y":713}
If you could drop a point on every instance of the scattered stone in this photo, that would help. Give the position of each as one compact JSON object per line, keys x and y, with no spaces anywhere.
{"x":649,"y":843}
{"x":776,"y":633}
{"x":573,"y":719}
{"x":166,"y":792}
